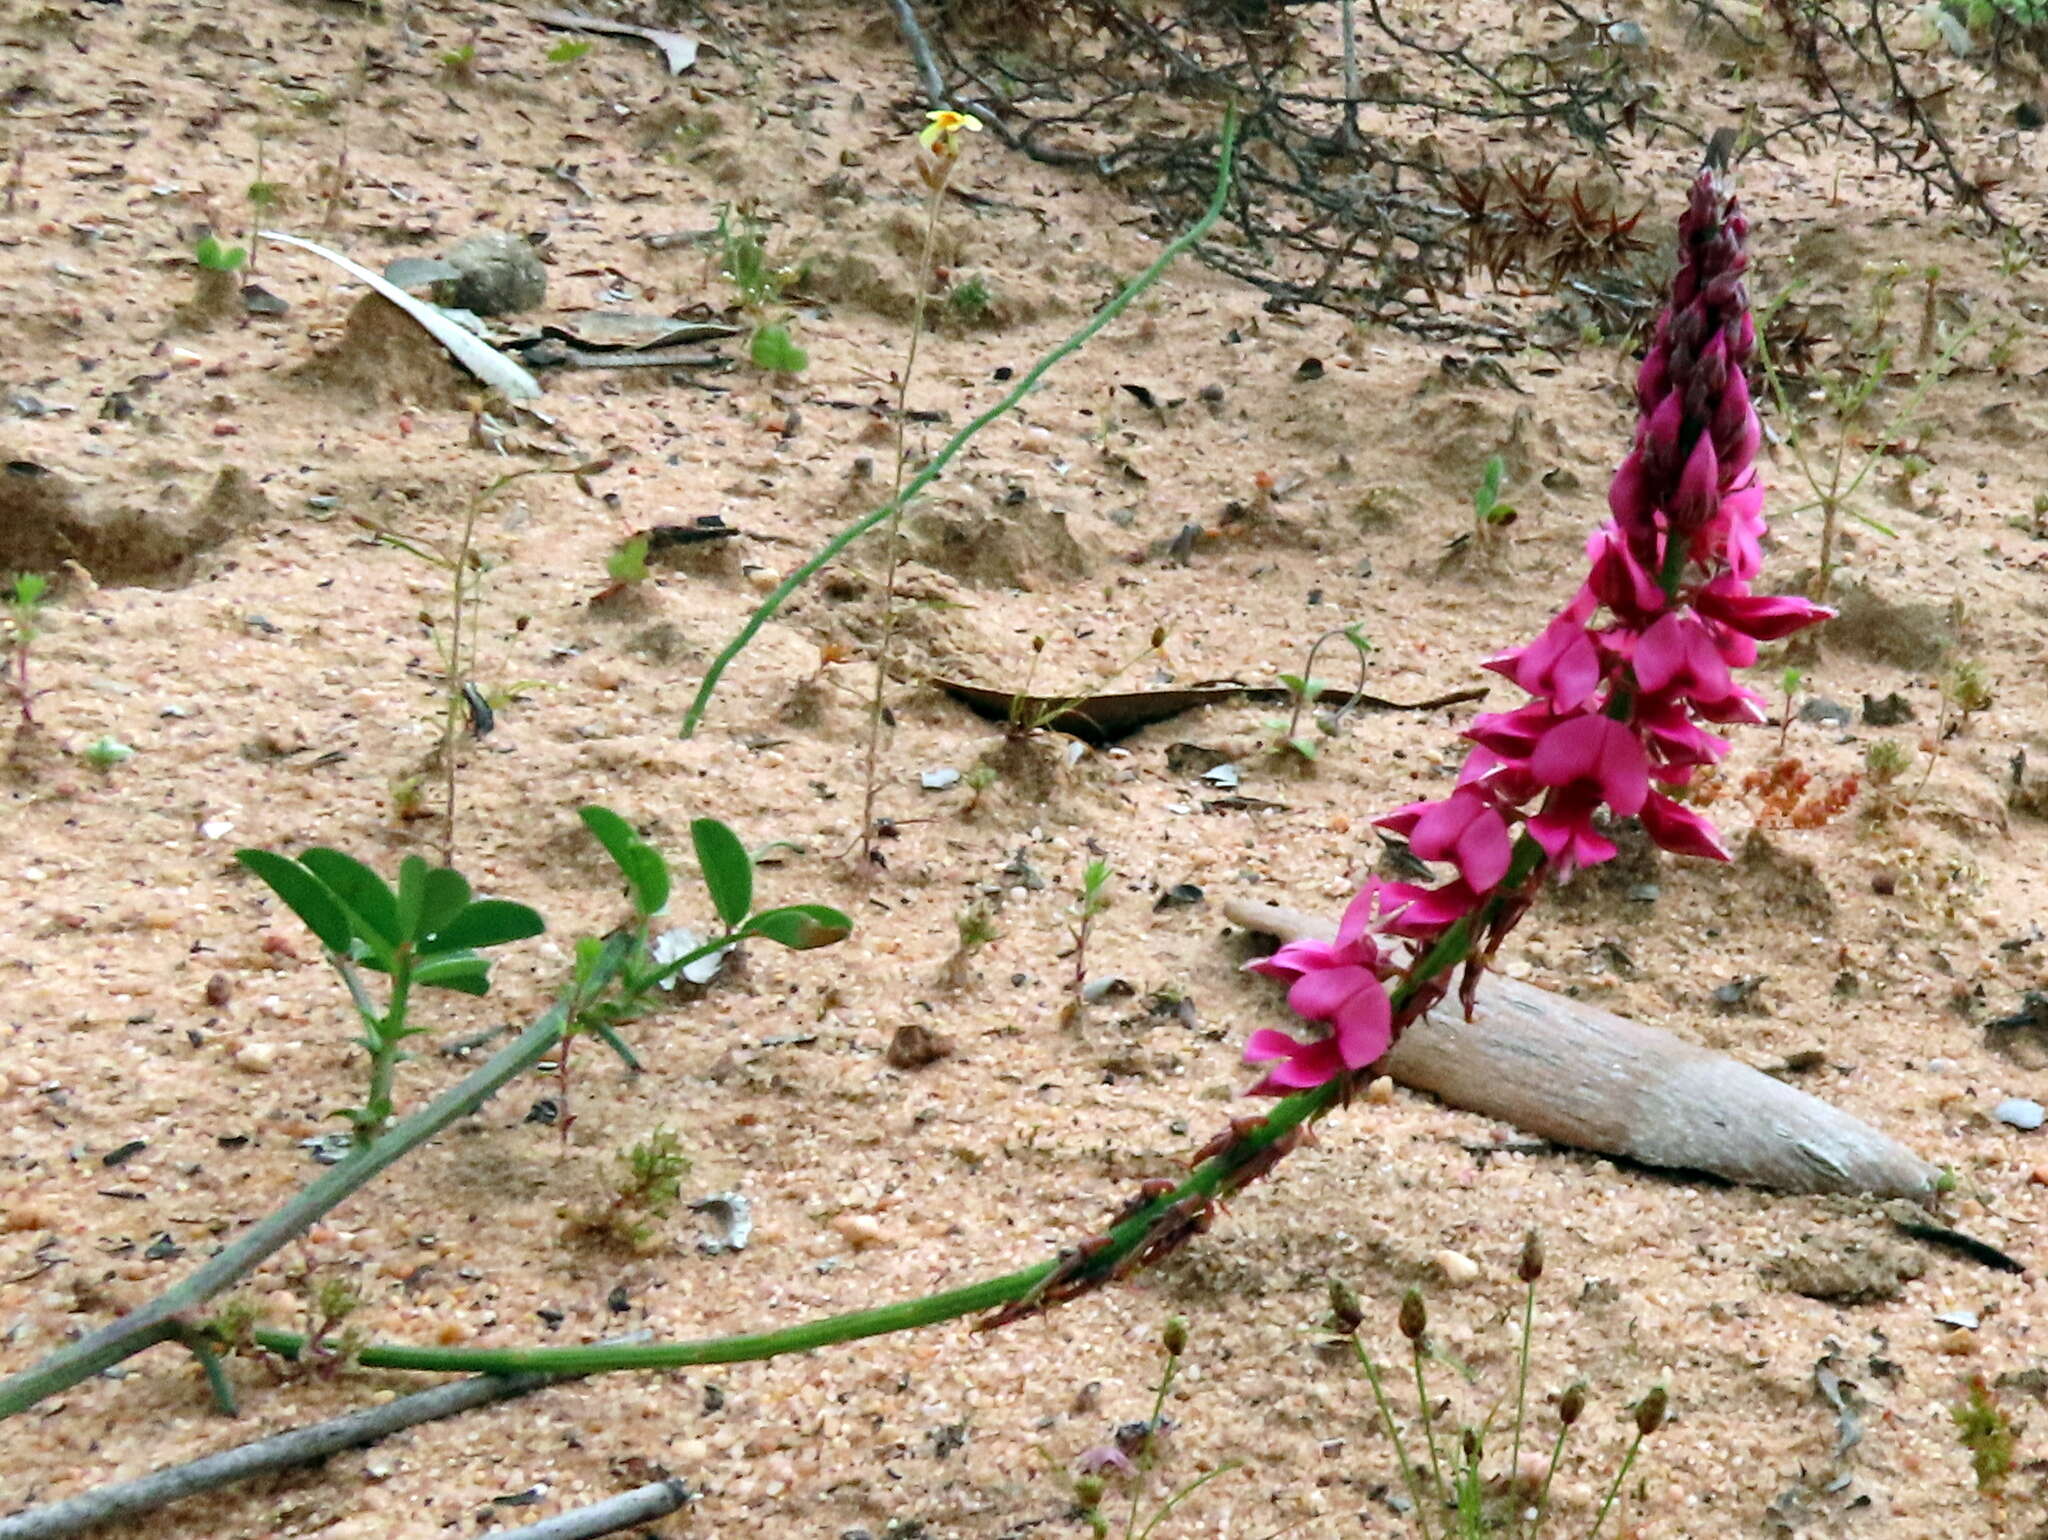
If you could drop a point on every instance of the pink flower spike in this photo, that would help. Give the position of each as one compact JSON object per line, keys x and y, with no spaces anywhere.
{"x":1596,"y":753}
{"x":1464,"y":828}
{"x":1677,"y":828}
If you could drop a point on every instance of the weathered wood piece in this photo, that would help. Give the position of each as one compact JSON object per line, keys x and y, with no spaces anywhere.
{"x":1567,"y":1071}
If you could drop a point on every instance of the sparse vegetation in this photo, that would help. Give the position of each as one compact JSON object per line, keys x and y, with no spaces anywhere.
{"x":26,"y":592}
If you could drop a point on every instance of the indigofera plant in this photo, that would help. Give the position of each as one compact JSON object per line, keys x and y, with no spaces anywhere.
{"x":429,"y":933}
{"x":1623,"y":683}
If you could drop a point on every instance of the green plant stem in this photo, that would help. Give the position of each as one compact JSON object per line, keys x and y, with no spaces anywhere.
{"x":827,"y":553}
{"x":1436,"y":1470}
{"x":893,"y":543}
{"x":1379,"y":1395}
{"x":386,"y":1038}
{"x":1151,"y":1434}
{"x":1522,"y":1387}
{"x":158,"y":1321}
{"x":1564,"y":1430}
{"x":1614,"y":1487}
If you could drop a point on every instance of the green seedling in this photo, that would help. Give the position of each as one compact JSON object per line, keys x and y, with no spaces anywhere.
{"x":1987,"y":1433}
{"x":429,"y":933}
{"x":105,"y":752}
{"x":743,"y":258}
{"x":213,"y":257}
{"x":626,"y":566}
{"x":1885,"y":761}
{"x":572,"y":50}
{"x":458,"y":65}
{"x":629,"y":959}
{"x":26,"y":592}
{"x":977,"y":930}
{"x":971,"y":300}
{"x":649,"y":1185}
{"x":1788,"y":684}
{"x":1094,"y":900}
{"x":1304,"y":690}
{"x":1490,"y":513}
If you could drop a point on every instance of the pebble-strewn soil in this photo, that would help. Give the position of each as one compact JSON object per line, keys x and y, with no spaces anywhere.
{"x":278,"y":689}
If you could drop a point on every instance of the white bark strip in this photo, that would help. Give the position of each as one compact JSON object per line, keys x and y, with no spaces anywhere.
{"x":1566,"y":1071}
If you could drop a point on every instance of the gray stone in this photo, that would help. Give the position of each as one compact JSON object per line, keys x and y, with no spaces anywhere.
{"x":1827,"y":712}
{"x":501,"y":274}
{"x":2020,"y":1113}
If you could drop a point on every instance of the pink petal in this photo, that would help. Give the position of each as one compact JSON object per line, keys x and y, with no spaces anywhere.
{"x":1352,"y":943}
{"x":1698,"y":495}
{"x":1599,"y":751}
{"x":1321,"y":996}
{"x":1680,"y":830}
{"x":1466,"y":829}
{"x":1364,"y":1029}
{"x":1270,"y":1043}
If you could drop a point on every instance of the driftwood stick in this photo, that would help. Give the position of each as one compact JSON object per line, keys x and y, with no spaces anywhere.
{"x":1570,"y":1072}
{"x":655,"y":1500}
{"x":301,"y":1446}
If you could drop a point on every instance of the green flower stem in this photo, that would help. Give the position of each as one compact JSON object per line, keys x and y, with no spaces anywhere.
{"x":1564,"y":1430}
{"x":1386,"y":1407}
{"x":827,"y":553}
{"x":1522,"y":1385}
{"x":1614,"y":1489}
{"x":1125,"y":1239}
{"x":1436,"y":1470}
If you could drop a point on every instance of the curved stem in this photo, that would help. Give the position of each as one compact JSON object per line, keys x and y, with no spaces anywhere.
{"x":1250,"y":1151}
{"x":827,"y":553}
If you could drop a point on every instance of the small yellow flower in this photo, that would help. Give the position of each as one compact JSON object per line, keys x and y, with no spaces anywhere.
{"x":943,"y":127}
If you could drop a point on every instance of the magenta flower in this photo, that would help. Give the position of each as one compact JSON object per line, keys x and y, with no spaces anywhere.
{"x":1465,"y":828}
{"x":1333,"y":981}
{"x":1623,"y":683}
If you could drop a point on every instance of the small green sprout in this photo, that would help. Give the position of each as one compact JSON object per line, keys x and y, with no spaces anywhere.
{"x":1987,"y":1433}
{"x":1886,"y":760}
{"x":774,"y":352}
{"x":26,"y":592}
{"x":105,"y":752}
{"x":627,"y":562}
{"x":1487,"y":507}
{"x":211,"y":255}
{"x":971,"y":299}
{"x":571,"y":50}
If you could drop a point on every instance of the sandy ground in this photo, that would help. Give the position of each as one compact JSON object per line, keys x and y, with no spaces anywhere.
{"x":281,"y":686}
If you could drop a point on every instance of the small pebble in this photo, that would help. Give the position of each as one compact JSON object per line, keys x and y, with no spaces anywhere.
{"x":1380,"y":1090}
{"x":256,"y":1058}
{"x":1456,"y":1267}
{"x":1959,"y":1343}
{"x":2020,"y":1113}
{"x":860,"y":1231}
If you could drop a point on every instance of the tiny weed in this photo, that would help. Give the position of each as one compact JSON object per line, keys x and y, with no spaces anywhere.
{"x":977,"y":929}
{"x":1081,"y":917}
{"x":212,"y":256}
{"x":1885,"y":761}
{"x":971,"y":300}
{"x":1304,"y":690}
{"x":105,"y":752}
{"x":1987,"y":1433}
{"x":26,"y":592}
{"x":571,"y":50}
{"x":458,"y":65}
{"x":648,"y":1187}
